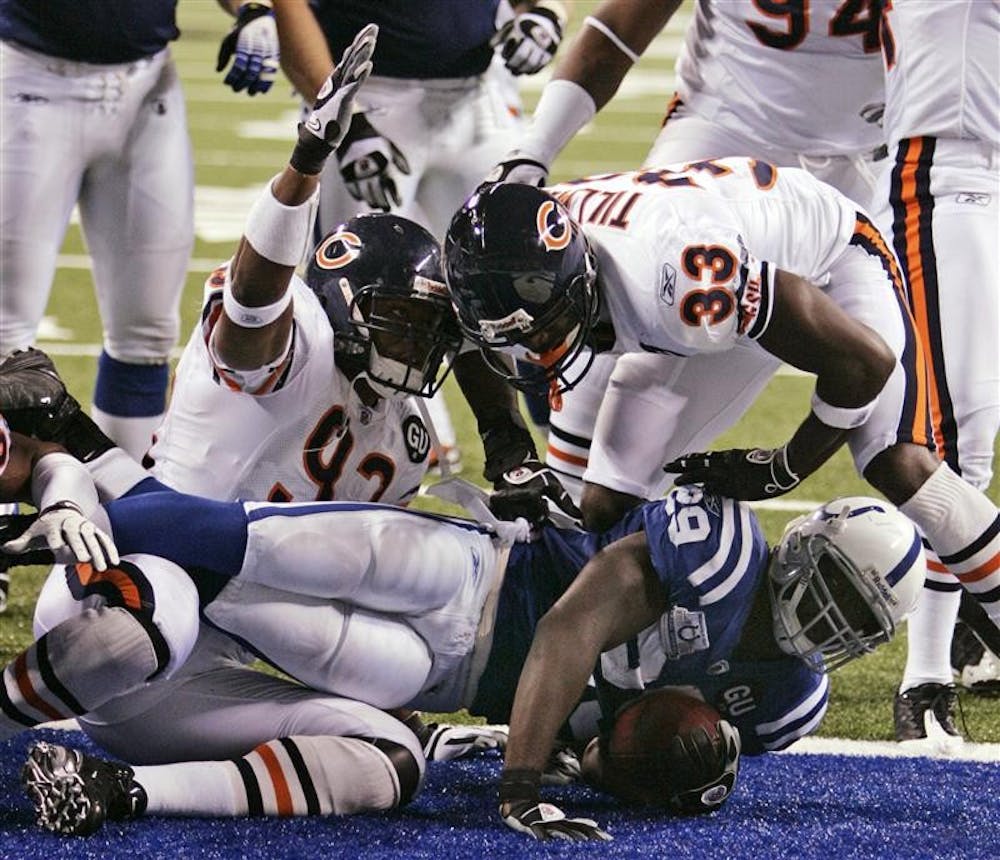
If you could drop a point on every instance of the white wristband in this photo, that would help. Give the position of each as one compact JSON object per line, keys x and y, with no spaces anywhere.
{"x":564,"y":108}
{"x":60,"y":477}
{"x":249,"y":317}
{"x":842,"y":417}
{"x":612,"y":36}
{"x":278,"y":232}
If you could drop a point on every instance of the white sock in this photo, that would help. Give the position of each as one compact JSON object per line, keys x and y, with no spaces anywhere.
{"x":209,"y":788}
{"x":135,"y":435}
{"x":963,"y":527}
{"x":115,"y":472}
{"x":929,"y":630}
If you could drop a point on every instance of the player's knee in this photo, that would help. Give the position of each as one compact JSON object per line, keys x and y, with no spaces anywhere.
{"x":899,"y":471}
{"x":155,"y":593}
{"x":603,"y":507}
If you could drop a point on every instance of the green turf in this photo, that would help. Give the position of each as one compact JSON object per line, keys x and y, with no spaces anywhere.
{"x":617,"y":139}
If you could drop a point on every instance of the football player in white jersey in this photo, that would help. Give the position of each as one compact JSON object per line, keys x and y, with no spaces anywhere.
{"x":438,"y":112}
{"x":409,"y":608}
{"x":697,"y":261}
{"x":940,"y":202}
{"x":796,"y":83}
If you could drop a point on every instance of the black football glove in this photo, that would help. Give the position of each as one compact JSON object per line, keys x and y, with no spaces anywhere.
{"x":369,"y":163}
{"x":522,"y":810}
{"x":254,"y":40}
{"x":529,"y":41}
{"x":35,"y":402}
{"x":709,"y":768}
{"x":527,"y":490}
{"x":739,"y":473}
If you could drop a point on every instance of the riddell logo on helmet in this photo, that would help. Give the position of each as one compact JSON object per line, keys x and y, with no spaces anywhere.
{"x":553,"y":230}
{"x":338,"y":249}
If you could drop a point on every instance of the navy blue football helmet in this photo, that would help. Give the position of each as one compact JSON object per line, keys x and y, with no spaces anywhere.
{"x":380,"y":281}
{"x":522,"y":277}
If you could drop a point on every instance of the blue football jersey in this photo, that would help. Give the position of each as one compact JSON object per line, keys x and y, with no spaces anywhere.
{"x":427,"y":40}
{"x":711,"y":557}
{"x":91,"y":31}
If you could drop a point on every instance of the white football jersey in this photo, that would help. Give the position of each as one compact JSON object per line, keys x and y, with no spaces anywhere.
{"x":308,"y":438}
{"x":686,"y":254}
{"x":942,"y":66}
{"x":803,"y":75}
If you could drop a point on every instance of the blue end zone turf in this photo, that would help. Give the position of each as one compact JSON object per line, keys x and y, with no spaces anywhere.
{"x":790,"y":806}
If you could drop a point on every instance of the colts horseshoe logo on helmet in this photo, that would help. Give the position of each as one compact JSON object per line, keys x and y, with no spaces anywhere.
{"x":338,"y":249}
{"x":553,"y":229}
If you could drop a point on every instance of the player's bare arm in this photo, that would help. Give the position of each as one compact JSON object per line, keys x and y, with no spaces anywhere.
{"x":616,"y":595}
{"x":595,"y":61}
{"x":305,"y":56}
{"x":256,"y":326}
{"x":851,"y":362}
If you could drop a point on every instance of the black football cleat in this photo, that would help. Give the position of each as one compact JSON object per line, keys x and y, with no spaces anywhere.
{"x":75,"y":793}
{"x":924,"y":717}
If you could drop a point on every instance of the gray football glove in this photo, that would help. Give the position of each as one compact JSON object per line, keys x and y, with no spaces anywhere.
{"x":516,"y":168}
{"x":64,"y":529}
{"x":254,"y":41}
{"x":523,"y":810}
{"x":330,"y":116}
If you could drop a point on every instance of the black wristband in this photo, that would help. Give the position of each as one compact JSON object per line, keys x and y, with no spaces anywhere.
{"x":63,"y":505}
{"x":519,"y":785}
{"x":310,"y":153}
{"x":505,"y":446}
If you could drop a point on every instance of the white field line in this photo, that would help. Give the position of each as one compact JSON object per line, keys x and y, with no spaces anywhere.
{"x":807,"y":746}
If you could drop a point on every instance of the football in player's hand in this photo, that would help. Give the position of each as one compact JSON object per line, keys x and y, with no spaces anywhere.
{"x":668,"y":749}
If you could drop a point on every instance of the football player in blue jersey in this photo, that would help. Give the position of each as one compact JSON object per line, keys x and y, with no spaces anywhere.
{"x":404,"y":608}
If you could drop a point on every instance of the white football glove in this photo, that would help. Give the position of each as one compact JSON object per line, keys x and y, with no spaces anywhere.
{"x":330,"y":116}
{"x":447,"y":743}
{"x":64,"y":529}
{"x":529,"y":41}
{"x":254,"y":41}
{"x":545,"y":821}
{"x":368,"y":162}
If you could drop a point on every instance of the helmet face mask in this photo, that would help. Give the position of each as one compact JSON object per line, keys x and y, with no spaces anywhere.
{"x":523,"y":280}
{"x":842,"y":579}
{"x":380,"y":281}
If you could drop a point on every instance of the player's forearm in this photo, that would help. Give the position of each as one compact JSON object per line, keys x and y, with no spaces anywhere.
{"x":305,"y":53}
{"x":555,"y":674}
{"x":596,"y":61}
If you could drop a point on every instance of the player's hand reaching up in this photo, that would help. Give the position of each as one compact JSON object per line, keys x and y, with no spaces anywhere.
{"x":254,"y":41}
{"x":330,"y":116}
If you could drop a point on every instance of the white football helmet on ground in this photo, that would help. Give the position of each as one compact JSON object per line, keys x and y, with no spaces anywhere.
{"x":842,"y":578}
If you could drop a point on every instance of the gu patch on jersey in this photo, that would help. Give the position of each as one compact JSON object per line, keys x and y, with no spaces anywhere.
{"x":416,"y":438}
{"x":683,"y":632}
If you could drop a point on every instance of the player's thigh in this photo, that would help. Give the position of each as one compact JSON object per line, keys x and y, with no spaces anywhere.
{"x":659,"y":407}
{"x":226,"y":712}
{"x":326,"y":644}
{"x":138,"y":214}
{"x":41,"y":162}
{"x":373,"y":556}
{"x":688,"y":137}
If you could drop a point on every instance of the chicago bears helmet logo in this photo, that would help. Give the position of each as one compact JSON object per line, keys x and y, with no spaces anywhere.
{"x":338,"y":249}
{"x":553,"y":229}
